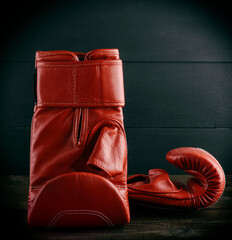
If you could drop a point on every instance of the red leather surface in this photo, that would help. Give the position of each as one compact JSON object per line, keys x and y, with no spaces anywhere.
{"x":202,"y":190}
{"x":89,"y":83}
{"x":63,"y":202}
{"x":78,"y":154}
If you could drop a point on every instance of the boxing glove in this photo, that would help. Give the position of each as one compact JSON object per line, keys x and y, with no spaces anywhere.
{"x":78,"y":152}
{"x":157,"y":190}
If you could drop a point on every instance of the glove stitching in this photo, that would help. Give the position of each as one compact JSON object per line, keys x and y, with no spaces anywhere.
{"x":106,"y":103}
{"x":78,"y":65}
{"x":74,"y":84}
{"x":81,"y":211}
{"x":154,"y":191}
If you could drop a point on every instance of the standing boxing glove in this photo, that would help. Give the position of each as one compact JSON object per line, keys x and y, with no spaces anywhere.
{"x":157,"y":190}
{"x":78,"y":153}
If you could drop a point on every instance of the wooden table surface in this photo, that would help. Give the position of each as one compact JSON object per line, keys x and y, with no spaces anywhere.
{"x":213,"y":222}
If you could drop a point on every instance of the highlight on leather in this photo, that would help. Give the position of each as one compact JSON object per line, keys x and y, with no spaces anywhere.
{"x":202,"y":190}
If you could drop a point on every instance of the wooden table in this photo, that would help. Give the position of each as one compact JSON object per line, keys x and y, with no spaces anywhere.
{"x":213,"y":222}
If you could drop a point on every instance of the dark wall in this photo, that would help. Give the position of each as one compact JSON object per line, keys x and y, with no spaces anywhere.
{"x":177,"y":58}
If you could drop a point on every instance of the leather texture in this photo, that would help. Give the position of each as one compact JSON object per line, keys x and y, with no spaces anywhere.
{"x":202,"y":190}
{"x":78,"y":153}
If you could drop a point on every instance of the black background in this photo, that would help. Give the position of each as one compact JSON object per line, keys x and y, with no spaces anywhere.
{"x":177,"y":58}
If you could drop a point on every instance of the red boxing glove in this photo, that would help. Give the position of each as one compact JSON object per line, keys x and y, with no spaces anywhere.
{"x":157,"y":190}
{"x":78,"y":155}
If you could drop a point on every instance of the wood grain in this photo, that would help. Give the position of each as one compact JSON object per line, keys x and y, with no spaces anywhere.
{"x":178,"y":95}
{"x":146,"y":223}
{"x":147,"y":147}
{"x":177,"y":68}
{"x":157,"y":94}
{"x":143,"y":30}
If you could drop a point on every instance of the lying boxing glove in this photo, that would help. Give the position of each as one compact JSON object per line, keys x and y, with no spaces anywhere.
{"x":157,"y":190}
{"x":78,"y":154}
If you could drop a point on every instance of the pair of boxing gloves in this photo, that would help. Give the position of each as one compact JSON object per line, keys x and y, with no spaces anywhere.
{"x":78,"y":153}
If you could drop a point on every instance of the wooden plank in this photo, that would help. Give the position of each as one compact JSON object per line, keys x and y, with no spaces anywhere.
{"x":147,"y":147}
{"x":146,"y":223}
{"x":16,"y":93}
{"x":142,"y":30}
{"x":178,"y":95}
{"x":16,"y":188}
{"x":15,"y":150}
{"x":157,"y":94}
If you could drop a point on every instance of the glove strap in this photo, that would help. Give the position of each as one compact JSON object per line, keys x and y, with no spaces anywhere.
{"x":97,"y":83}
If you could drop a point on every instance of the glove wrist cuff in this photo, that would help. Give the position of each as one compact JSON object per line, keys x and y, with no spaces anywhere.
{"x":96,"y":83}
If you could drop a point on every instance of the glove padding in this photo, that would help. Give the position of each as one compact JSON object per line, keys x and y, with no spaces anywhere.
{"x":78,"y":153}
{"x":203,"y":190}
